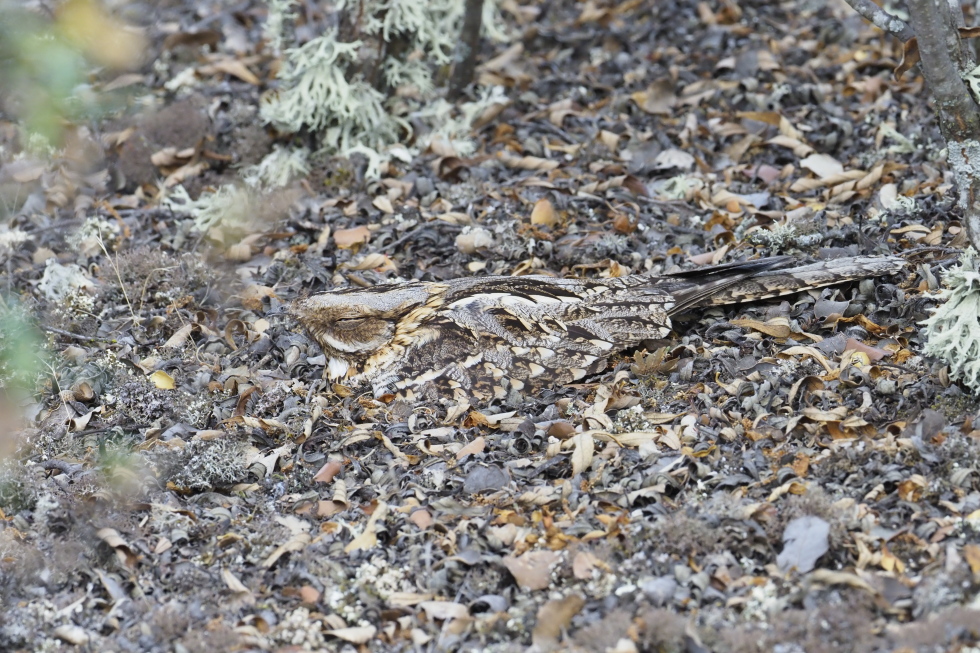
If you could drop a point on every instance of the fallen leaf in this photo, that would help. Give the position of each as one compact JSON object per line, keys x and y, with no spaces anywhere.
{"x":347,"y":238}
{"x":804,"y":541}
{"x":443,"y":610}
{"x":553,"y":618}
{"x":162,"y":380}
{"x":544,"y":213}
{"x":822,"y":165}
{"x":326,"y":473}
{"x":532,"y":570}
{"x":124,"y":552}
{"x":299,"y":537}
{"x":583,"y":452}
{"x":476,"y":446}
{"x":355,"y":635}
{"x":368,"y":539}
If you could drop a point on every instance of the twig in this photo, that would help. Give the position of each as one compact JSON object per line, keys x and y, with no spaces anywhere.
{"x":122,"y":286}
{"x":74,"y":336}
{"x":467,"y":48}
{"x":882,"y":19}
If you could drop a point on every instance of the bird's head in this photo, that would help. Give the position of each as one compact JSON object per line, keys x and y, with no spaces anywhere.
{"x":352,"y":325}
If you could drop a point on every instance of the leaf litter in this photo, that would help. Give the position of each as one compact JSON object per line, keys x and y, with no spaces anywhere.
{"x":791,"y":472}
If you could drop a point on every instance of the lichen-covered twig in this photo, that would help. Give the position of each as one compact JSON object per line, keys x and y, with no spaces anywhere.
{"x":882,"y":19}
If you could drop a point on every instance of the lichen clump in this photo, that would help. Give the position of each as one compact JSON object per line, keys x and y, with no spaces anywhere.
{"x":953,"y":330}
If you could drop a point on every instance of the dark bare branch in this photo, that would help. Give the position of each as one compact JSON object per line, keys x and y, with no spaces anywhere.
{"x":469,"y":47}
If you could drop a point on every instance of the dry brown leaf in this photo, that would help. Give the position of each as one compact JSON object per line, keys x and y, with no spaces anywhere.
{"x":127,"y":556}
{"x":971,"y":553}
{"x":658,"y":99}
{"x":526,"y":162}
{"x":778,"y":327}
{"x":368,"y":539}
{"x":532,"y":570}
{"x":801,"y":350}
{"x":421,"y":518}
{"x":443,"y":610}
{"x":476,"y":446}
{"x":582,"y":565}
{"x":583,"y":452}
{"x":232,"y":67}
{"x":354,"y":635}
{"x":873,"y":353}
{"x":609,"y":139}
{"x":553,"y":618}
{"x":326,"y":473}
{"x":375,"y":261}
{"x":544,"y":213}
{"x":253,"y":294}
{"x":162,"y":380}
{"x":309,"y":594}
{"x":348,"y":238}
{"x":299,"y":538}
{"x":183,"y":173}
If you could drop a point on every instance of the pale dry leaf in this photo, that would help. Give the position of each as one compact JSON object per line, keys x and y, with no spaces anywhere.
{"x":299,"y":538}
{"x":674,"y":158}
{"x":778,"y":327}
{"x":232,"y":67}
{"x":526,"y":162}
{"x":554,"y":617}
{"x":347,"y":238}
{"x":583,"y":452}
{"x":355,"y":634}
{"x":232,"y":582}
{"x":383,"y":204}
{"x":658,"y":99}
{"x":822,"y":165}
{"x":368,"y":539}
{"x":476,"y":446}
{"x":532,"y":570}
{"x":544,"y":213}
{"x":124,"y":552}
{"x":326,"y":473}
{"x":443,"y":610}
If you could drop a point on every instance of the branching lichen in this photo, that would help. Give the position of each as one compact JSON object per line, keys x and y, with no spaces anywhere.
{"x":358,"y":95}
{"x":953,"y":330}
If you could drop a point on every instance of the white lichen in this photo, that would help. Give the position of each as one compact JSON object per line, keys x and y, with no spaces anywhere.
{"x":280,"y":13}
{"x":228,"y":206}
{"x":953,"y":329}
{"x":325,"y":87}
{"x":278,"y":168}
{"x":59,"y":281}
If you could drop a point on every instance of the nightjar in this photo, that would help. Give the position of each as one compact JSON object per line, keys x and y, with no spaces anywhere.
{"x":484,"y":337}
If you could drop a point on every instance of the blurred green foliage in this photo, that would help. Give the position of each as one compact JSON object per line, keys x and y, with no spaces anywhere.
{"x":45,"y":60}
{"x":21,"y":349}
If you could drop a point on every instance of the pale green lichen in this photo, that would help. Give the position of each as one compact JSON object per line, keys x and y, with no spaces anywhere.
{"x":278,"y":168}
{"x":953,"y":330}
{"x":280,"y":13}
{"x":781,"y":237}
{"x":229,"y":206}
{"x":324,"y":87}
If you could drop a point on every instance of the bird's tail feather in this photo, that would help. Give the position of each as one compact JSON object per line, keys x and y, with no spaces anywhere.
{"x":761,"y":281}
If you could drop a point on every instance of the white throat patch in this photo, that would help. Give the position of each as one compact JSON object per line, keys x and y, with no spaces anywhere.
{"x":337,"y":368}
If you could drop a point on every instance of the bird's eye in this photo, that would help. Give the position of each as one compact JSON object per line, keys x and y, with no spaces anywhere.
{"x":349,"y":322}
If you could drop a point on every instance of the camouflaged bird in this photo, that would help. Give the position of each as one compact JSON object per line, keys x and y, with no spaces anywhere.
{"x":487,"y":336}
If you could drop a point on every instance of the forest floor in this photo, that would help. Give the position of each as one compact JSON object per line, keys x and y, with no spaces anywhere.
{"x":789,"y":475}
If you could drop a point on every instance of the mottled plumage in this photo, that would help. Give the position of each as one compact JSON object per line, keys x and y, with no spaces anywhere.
{"x":486,"y":336}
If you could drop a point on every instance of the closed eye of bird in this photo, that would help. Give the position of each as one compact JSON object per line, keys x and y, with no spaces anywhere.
{"x":485,"y":337}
